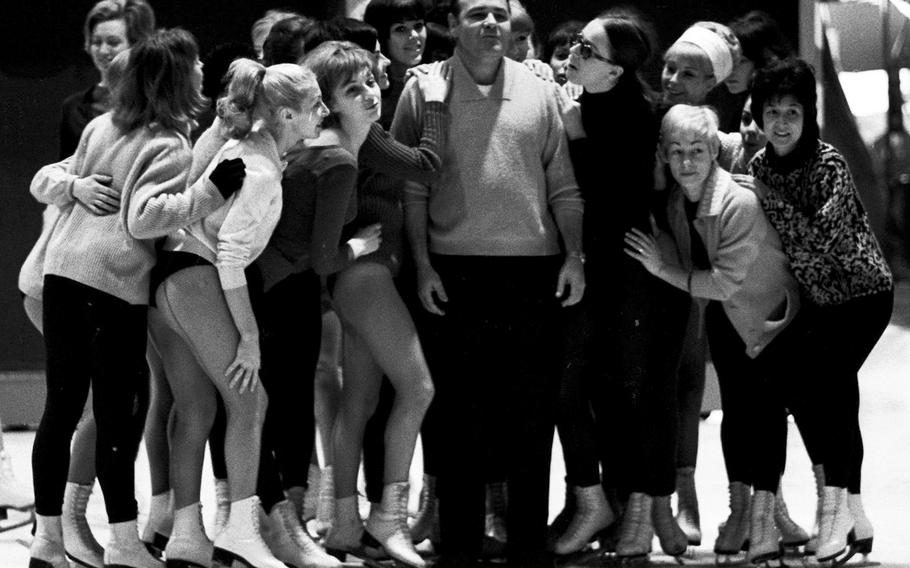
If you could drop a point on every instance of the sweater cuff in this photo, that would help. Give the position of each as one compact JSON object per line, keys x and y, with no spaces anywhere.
{"x":231,"y":277}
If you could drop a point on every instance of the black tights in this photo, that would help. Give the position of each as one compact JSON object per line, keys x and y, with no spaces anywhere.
{"x":290,"y":319}
{"x":840,"y":339}
{"x":751,"y":405}
{"x":92,"y":338}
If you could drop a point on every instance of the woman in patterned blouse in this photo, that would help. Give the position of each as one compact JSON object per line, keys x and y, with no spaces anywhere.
{"x":809,"y":196}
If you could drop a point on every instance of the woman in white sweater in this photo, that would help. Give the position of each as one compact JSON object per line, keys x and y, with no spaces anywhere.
{"x":96,"y":279}
{"x":204,"y":325}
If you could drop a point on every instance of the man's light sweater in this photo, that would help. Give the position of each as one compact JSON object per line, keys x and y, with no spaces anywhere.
{"x":115,"y":253}
{"x":505,"y":166}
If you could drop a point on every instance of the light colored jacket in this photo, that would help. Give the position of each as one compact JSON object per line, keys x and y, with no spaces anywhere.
{"x":750,"y":274}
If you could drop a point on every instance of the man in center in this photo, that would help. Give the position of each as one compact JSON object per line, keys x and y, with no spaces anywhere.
{"x":497,"y":247}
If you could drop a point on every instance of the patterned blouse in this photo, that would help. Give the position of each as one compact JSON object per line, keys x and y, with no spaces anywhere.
{"x":823,"y":226}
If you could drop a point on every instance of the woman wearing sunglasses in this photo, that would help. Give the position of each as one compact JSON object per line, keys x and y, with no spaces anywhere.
{"x":623,"y":308}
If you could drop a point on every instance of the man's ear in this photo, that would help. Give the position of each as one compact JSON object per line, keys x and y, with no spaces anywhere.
{"x":453,"y":23}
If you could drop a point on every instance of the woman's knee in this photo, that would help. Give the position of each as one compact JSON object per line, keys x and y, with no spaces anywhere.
{"x":248,"y":408}
{"x":423,"y":394}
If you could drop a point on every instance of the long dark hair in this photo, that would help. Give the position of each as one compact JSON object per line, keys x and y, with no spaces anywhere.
{"x":157,"y":88}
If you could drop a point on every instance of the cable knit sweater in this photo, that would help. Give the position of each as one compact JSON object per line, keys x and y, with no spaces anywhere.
{"x":115,"y":253}
{"x":235,"y":234}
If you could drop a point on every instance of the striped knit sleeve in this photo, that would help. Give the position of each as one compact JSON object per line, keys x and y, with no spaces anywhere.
{"x":382,"y":153}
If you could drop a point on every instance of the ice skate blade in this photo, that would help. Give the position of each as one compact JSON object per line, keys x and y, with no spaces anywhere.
{"x":863,"y":545}
{"x":178,"y":563}
{"x":794,"y":543}
{"x":79,"y":561}
{"x":19,"y":520}
{"x":831,"y":558}
{"x":735,"y":559}
{"x":766,"y":558}
{"x":5,"y":506}
{"x":633,"y":559}
{"x":38,"y":563}
{"x":157,"y":546}
{"x":227,"y":559}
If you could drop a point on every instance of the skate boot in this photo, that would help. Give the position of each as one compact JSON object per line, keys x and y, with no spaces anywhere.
{"x":497,"y":508}
{"x":125,"y":550}
{"x":636,"y":532}
{"x":241,"y":539}
{"x":13,"y":494}
{"x":561,"y":523}
{"x":733,"y":534}
{"x":158,"y":528}
{"x":283,"y":519}
{"x":346,"y":533}
{"x":764,"y":538}
{"x":308,"y":501}
{"x":592,"y":515}
{"x":427,"y":515}
{"x":860,"y":538}
{"x":325,"y":505}
{"x":390,"y":525}
{"x":672,"y":539}
{"x":81,"y":546}
{"x":222,"y":505}
{"x":687,"y":516}
{"x":819,"y":473}
{"x":188,"y":546}
{"x":46,"y":550}
{"x":791,"y":534}
{"x":834,"y":525}
{"x":297,"y":496}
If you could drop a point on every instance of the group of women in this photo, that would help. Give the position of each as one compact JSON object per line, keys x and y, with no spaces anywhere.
{"x":191,"y":278}
{"x":768,"y":264}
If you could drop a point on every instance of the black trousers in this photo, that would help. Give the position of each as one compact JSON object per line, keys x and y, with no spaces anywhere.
{"x":753,"y":433}
{"x":496,"y":365}
{"x":575,"y":420}
{"x":835,"y":342}
{"x":640,"y":324}
{"x":289,"y":315}
{"x":92,"y":338}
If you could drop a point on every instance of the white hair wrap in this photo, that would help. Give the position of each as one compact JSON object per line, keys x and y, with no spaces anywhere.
{"x":714,"y":46}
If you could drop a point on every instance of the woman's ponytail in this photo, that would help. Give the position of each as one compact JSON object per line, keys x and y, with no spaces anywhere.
{"x":237,"y":108}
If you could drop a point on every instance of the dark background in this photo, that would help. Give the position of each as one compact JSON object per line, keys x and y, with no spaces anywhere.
{"x":42,"y":62}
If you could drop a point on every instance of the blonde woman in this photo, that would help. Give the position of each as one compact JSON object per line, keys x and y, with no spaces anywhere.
{"x":204,"y":324}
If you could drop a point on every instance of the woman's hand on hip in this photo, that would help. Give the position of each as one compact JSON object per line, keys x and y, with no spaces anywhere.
{"x":243,"y":373}
{"x":643,"y":248}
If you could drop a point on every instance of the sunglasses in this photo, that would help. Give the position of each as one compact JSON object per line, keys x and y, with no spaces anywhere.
{"x":586,"y":49}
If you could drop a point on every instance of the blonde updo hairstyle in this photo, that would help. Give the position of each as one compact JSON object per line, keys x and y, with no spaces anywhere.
{"x":682,"y":118}
{"x":729,"y":38}
{"x":256,"y":92}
